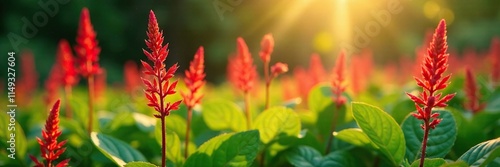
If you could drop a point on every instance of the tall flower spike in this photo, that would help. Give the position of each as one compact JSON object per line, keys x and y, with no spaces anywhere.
{"x":65,"y":59}
{"x":159,"y":86}
{"x":28,"y":81}
{"x":86,"y":47}
{"x":472,"y":93}
{"x":267,"y":45}
{"x":338,"y":81}
{"x":194,"y":79}
{"x":495,"y":59}
{"x":434,"y":65}
{"x":49,"y":147}
{"x":246,"y":70}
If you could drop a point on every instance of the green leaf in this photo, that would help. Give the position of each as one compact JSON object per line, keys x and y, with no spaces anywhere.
{"x":355,"y":136}
{"x":144,"y":123}
{"x":223,"y":115}
{"x":12,"y":136}
{"x":173,"y":144}
{"x":116,"y":150}
{"x":177,"y":124}
{"x":455,"y":164}
{"x":493,"y":103}
{"x":440,"y":140}
{"x":382,"y":130}
{"x":430,"y":162}
{"x":277,"y":122}
{"x":140,"y":164}
{"x":482,"y":153}
{"x":230,"y":149}
{"x":305,"y":156}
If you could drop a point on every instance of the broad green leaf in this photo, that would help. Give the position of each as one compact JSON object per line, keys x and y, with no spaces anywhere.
{"x":402,"y":109}
{"x":177,"y":124}
{"x":482,"y":153}
{"x":223,"y":115}
{"x":459,"y":163}
{"x":277,"y":122}
{"x":230,"y":149}
{"x":305,"y":156}
{"x":355,"y":136}
{"x":144,"y":122}
{"x":382,"y":130}
{"x":140,"y":164}
{"x":430,"y":162}
{"x":118,"y":151}
{"x":13,"y":140}
{"x":173,"y":144}
{"x":440,"y":140}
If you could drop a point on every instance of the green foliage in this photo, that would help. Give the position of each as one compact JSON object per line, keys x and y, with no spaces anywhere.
{"x":381,"y":129}
{"x":430,"y":162}
{"x":223,"y":115}
{"x":440,"y":141}
{"x":118,"y":151}
{"x":231,"y":149}
{"x":277,"y":122}
{"x":305,"y":156}
{"x":482,"y":153}
{"x":139,"y":164}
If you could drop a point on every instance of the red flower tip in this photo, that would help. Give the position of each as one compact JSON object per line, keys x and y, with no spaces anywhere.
{"x":434,"y":65}
{"x":65,"y":59}
{"x":338,"y":85}
{"x":267,"y":45}
{"x":49,"y":147}
{"x":159,"y":86}
{"x":194,"y":79}
{"x":279,"y":68}
{"x":87,"y":48}
{"x":472,"y":92}
{"x":244,"y":66}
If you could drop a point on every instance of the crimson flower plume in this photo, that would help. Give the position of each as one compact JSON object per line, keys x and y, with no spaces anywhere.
{"x":495,"y":59}
{"x":338,"y":80}
{"x":65,"y":59}
{"x":28,"y":82}
{"x":49,"y":147}
{"x":194,"y":79}
{"x":434,"y":65}
{"x":472,"y":92}
{"x":267,"y":45}
{"x":87,"y":48}
{"x":245,"y":68}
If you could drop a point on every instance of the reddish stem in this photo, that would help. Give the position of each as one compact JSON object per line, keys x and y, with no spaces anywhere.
{"x":247,"y":110}
{"x":424,"y":142}
{"x":163,"y":142}
{"x":268,"y":83}
{"x":91,"y":102}
{"x":188,"y":128}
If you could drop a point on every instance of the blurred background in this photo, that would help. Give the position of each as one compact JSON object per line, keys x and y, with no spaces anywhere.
{"x":391,"y":29}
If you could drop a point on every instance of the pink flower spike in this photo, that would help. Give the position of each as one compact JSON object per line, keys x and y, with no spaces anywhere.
{"x":267,"y":46}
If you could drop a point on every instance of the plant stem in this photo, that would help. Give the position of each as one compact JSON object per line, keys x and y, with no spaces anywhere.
{"x":67,"y":90}
{"x":163,"y":142}
{"x":268,"y":83}
{"x":332,"y":129}
{"x":424,"y":142}
{"x":91,"y":102}
{"x":247,"y":109}
{"x":188,"y":128}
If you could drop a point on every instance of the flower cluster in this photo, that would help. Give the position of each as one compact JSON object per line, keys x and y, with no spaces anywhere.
{"x":338,"y":81}
{"x":86,"y":47}
{"x":433,"y":67}
{"x":159,"y":87}
{"x":472,"y":92}
{"x":245,"y":68}
{"x":65,"y":60}
{"x":194,"y":79}
{"x":49,"y":147}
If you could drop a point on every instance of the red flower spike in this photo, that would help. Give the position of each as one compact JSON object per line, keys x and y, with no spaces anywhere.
{"x":279,"y":68}
{"x":86,"y":47}
{"x":434,"y":65}
{"x":338,"y":80}
{"x":495,"y":59}
{"x":267,"y":45}
{"x":28,"y":82}
{"x":194,"y":79}
{"x":65,"y":59}
{"x":132,"y":77}
{"x":159,"y":87}
{"x":49,"y":147}
{"x":244,"y":66}
{"x":472,"y":104}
